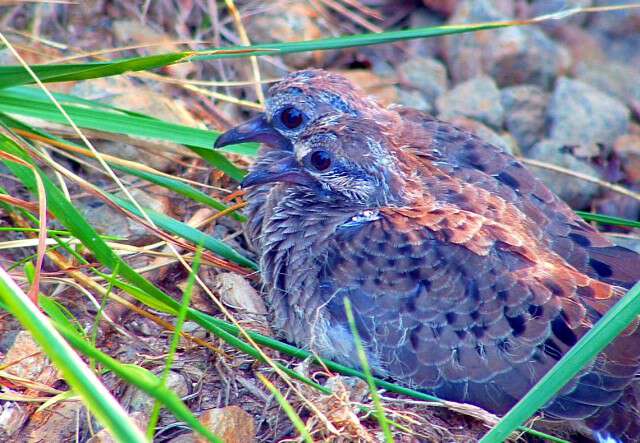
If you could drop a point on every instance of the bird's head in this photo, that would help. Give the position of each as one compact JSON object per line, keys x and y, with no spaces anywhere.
{"x":295,"y":103}
{"x":340,"y":158}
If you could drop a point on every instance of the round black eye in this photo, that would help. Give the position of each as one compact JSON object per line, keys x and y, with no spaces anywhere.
{"x":321,"y":160}
{"x":291,"y":117}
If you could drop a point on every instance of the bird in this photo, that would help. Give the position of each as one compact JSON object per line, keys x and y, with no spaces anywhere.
{"x":469,"y":279}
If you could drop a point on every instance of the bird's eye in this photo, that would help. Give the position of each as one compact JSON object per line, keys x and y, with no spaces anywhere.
{"x":291,"y":117}
{"x":321,"y":160}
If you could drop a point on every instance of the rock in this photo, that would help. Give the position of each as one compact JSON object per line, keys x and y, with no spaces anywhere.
{"x":236,"y":292}
{"x":618,"y":32}
{"x":427,"y":75}
{"x":425,"y":47}
{"x":103,"y":436}
{"x":56,"y":423}
{"x":231,"y":424}
{"x":485,"y":133}
{"x":13,"y":415}
{"x":620,"y":23}
{"x":108,"y":221}
{"x":616,"y":79}
{"x":628,"y":148}
{"x":194,"y":329}
{"x":282,"y":22}
{"x":524,"y":110}
{"x":581,"y":114}
{"x":477,"y":98}
{"x":414,"y":99}
{"x":381,"y":88}
{"x":26,"y":360}
{"x":582,"y":45}
{"x":139,"y":401}
{"x":576,"y":192}
{"x":511,"y":56}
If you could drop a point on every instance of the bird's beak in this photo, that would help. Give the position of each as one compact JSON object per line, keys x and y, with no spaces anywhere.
{"x":257,"y":129}
{"x":285,"y":170}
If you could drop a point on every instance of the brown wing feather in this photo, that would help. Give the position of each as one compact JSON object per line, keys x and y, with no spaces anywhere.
{"x":483,"y":166}
{"x":477,"y":328}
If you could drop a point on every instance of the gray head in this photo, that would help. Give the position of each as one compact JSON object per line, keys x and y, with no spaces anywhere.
{"x":296,"y":102}
{"x":340,"y":158}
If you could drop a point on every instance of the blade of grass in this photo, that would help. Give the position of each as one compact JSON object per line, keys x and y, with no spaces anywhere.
{"x":177,"y":186}
{"x":288,"y":409}
{"x":141,"y":378}
{"x":198,"y":140}
{"x":182,"y":189}
{"x":364,"y":363}
{"x":16,"y":75}
{"x":189,"y":233}
{"x":588,"y":347}
{"x":175,"y":339}
{"x":95,"y":396}
{"x":608,"y":219}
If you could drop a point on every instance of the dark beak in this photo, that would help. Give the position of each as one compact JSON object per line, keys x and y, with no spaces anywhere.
{"x":285,"y":170}
{"x":257,"y":129}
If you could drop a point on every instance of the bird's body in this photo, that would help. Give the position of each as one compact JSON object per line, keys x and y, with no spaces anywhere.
{"x":469,"y":279}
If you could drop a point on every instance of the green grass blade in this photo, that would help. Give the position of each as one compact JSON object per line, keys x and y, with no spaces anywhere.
{"x":590,"y":345}
{"x":350,"y":41}
{"x":17,"y":75}
{"x":181,"y":188}
{"x":608,"y":219}
{"x":189,"y":233}
{"x":141,"y":378}
{"x":81,"y":379}
{"x":364,"y":363}
{"x":288,"y":409}
{"x":199,"y":140}
{"x":175,"y":185}
{"x":175,"y":338}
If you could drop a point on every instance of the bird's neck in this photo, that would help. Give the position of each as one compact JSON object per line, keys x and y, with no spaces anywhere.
{"x":298,"y":231}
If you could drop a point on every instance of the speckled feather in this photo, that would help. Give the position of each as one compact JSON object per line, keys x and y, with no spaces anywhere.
{"x":469,"y":279}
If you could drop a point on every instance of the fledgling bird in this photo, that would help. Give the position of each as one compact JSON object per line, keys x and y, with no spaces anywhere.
{"x":469,"y":279}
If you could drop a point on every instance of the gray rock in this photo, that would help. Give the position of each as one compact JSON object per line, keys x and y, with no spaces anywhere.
{"x":478,"y":98}
{"x":581,"y":114}
{"x":618,"y":32}
{"x":288,"y":22}
{"x":425,"y":47}
{"x":616,"y":79}
{"x":524,"y":113}
{"x":414,"y":99}
{"x":621,"y":23}
{"x":511,"y":56}
{"x":427,"y":75}
{"x":108,"y":221}
{"x":139,"y":401}
{"x":576,"y":192}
